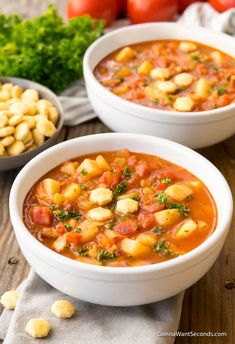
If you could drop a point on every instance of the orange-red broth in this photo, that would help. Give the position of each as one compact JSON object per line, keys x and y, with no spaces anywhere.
{"x":143,"y":174}
{"x":130,"y":73}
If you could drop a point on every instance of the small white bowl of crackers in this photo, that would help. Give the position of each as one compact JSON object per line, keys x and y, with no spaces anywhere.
{"x":31,"y":118}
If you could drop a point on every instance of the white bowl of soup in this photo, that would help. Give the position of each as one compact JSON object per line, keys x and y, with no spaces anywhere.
{"x":164,"y":79}
{"x":120,"y":219}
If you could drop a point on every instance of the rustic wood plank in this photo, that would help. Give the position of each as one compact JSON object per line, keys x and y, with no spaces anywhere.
{"x":207,"y":306}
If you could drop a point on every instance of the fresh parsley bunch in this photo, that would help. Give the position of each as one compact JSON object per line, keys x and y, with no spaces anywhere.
{"x":45,"y":49}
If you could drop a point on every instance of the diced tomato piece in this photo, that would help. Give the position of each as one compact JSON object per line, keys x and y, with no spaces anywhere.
{"x":60,"y":228}
{"x":133,"y":180}
{"x":142,"y":169}
{"x":73,"y":237}
{"x":132,"y":160}
{"x":161,"y":186}
{"x":41,"y":216}
{"x":152,"y":206}
{"x":146,"y":220}
{"x":127,"y":226}
{"x":109,"y":179}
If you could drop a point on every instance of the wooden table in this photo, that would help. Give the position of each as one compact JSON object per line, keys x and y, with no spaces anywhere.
{"x":207,"y":306}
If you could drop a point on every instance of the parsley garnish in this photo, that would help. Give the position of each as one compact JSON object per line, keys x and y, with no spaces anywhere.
{"x":195,"y":57}
{"x":120,"y":188}
{"x":84,"y":172}
{"x":181,"y":207}
{"x":114,"y":171}
{"x":162,"y":198}
{"x":106,"y":256}
{"x":188,"y":198}
{"x":123,"y":217}
{"x":166,"y":180}
{"x":136,"y":198}
{"x":109,"y":225}
{"x":64,"y":214}
{"x":229,"y":77}
{"x":163,"y":248}
{"x":78,"y":229}
{"x":83,"y":186}
{"x":159,"y":230}
{"x":221,"y":90}
{"x":68,"y":226}
{"x":127,"y":173}
{"x":83,"y":251}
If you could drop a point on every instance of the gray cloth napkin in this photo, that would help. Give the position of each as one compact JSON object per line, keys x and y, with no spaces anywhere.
{"x":91,"y":323}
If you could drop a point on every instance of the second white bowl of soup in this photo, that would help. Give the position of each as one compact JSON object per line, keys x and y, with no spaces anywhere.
{"x":164,"y":79}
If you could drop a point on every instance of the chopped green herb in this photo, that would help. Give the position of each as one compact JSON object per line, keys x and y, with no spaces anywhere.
{"x":163,"y":248}
{"x":109,"y":225}
{"x":127,"y":173}
{"x":136,"y":198}
{"x":120,"y":79}
{"x":68,"y":226}
{"x":181,"y":207}
{"x":120,"y":188}
{"x":78,"y":229}
{"x":123,"y":217}
{"x":64,"y":214}
{"x":65,"y":176}
{"x":166,"y":180}
{"x":188,"y":198}
{"x":159,"y":230}
{"x":83,"y":186}
{"x":84,"y":172}
{"x":195,"y":57}
{"x":83,"y":251}
{"x":221,"y":90}
{"x":229,"y":77}
{"x":214,"y":68}
{"x":169,"y":97}
{"x":106,"y":256}
{"x":162,"y":198}
{"x":53,"y":208}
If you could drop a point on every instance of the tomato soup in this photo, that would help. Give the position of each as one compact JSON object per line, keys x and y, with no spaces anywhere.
{"x":171,"y":75}
{"x":120,"y":209}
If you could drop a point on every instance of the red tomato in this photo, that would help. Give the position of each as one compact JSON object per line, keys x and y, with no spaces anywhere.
{"x":122,"y":5}
{"x":185,"y":3}
{"x":222,"y":5}
{"x":41,"y":216}
{"x":142,"y":11}
{"x":146,"y":220}
{"x":99,"y":9}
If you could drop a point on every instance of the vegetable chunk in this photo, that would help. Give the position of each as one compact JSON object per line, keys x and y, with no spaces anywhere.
{"x":167,"y":217}
{"x":134,"y":248}
{"x":178,"y":191}
{"x":186,"y":229}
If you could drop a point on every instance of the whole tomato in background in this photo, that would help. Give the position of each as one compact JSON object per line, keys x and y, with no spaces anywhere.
{"x":142,"y":11}
{"x":183,"y":4}
{"x":222,"y":5}
{"x":122,"y":6}
{"x":99,"y":9}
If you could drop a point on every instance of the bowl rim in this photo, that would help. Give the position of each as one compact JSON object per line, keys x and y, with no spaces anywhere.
{"x":212,"y":241}
{"x":131,"y":106}
{"x":58,"y":105}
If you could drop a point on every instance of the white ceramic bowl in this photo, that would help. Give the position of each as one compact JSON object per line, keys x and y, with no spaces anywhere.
{"x":113,"y":285}
{"x":195,"y":129}
{"x":10,"y":162}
